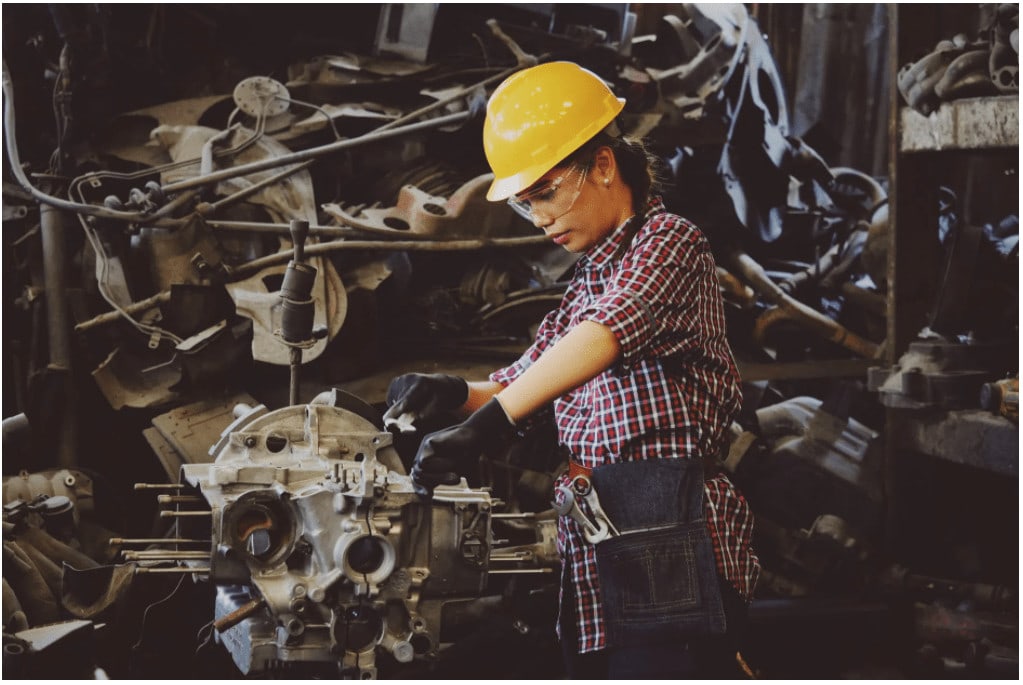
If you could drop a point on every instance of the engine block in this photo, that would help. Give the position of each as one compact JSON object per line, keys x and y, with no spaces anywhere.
{"x":322,"y":552}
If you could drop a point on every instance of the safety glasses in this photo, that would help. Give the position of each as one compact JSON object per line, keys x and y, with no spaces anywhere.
{"x":550,"y":199}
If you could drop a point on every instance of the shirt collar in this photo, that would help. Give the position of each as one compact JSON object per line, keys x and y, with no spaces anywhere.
{"x":603,"y":252}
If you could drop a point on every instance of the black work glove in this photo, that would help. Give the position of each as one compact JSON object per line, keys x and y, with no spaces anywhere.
{"x":446,"y":454}
{"x":424,"y":397}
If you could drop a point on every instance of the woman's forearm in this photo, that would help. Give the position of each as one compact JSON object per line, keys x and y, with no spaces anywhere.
{"x":587,"y":350}
{"x":480,"y":393}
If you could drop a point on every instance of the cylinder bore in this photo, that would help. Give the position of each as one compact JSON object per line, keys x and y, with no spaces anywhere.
{"x":261,"y":527}
{"x":367,"y":559}
{"x":367,"y":554}
{"x":357,"y":628}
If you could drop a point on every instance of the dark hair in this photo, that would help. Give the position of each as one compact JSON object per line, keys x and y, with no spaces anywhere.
{"x":640,"y":169}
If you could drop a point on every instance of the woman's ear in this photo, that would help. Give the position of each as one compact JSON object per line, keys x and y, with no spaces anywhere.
{"x":605,"y":165}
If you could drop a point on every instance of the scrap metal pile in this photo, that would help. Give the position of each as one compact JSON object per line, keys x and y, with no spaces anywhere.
{"x":207,"y":295}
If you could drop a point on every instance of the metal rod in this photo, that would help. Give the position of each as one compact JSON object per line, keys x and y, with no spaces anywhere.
{"x":156,"y":541}
{"x":315,"y":230}
{"x":261,"y":263}
{"x":254,"y":188}
{"x":164,"y":555}
{"x":313,"y":153}
{"x":176,"y":569}
{"x":515,"y":556}
{"x":159,"y":486}
{"x":520,"y":570}
{"x":451,"y":98}
{"x":238,"y":615}
{"x":523,"y":515}
{"x":173,"y":514}
{"x":296,"y":366}
{"x":110,"y":317}
{"x":183,"y":499}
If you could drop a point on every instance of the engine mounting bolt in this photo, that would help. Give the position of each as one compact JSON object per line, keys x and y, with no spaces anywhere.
{"x":298,"y":591}
{"x":251,"y":441}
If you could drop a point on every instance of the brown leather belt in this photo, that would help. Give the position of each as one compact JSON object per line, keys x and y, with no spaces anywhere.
{"x":711,"y":468}
{"x":575,"y":470}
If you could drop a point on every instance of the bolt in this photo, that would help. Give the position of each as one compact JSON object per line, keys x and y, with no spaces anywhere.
{"x":250,"y":441}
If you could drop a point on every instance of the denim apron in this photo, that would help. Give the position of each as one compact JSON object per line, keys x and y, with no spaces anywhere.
{"x":658,"y":579}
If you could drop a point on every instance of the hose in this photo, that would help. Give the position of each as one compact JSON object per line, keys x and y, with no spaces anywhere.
{"x":10,"y":139}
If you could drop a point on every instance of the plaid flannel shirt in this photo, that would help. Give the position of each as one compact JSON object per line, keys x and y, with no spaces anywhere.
{"x":672,"y":393}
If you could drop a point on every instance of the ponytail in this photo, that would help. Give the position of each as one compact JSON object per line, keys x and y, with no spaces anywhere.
{"x":640,"y":169}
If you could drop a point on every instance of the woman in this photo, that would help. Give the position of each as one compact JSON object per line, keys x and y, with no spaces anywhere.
{"x":643,"y":386}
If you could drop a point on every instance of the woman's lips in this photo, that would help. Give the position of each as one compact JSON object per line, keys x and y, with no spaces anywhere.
{"x":560,"y":239}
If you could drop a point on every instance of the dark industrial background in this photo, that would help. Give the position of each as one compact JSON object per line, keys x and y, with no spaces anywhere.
{"x":854,"y":166}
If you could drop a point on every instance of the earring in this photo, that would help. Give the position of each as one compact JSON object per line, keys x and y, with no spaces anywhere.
{"x":607,"y":181}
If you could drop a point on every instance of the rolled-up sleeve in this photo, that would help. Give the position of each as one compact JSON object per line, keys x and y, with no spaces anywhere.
{"x":649,"y":305}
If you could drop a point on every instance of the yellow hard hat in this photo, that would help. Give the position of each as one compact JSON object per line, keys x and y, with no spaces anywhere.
{"x":539,"y":116}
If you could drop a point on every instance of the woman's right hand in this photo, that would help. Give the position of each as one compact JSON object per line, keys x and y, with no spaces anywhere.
{"x":416,"y":397}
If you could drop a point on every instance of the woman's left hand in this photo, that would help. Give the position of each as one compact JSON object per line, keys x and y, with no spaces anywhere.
{"x":445,"y":455}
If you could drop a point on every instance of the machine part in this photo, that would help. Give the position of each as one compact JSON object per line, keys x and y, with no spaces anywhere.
{"x":70,"y":484}
{"x":58,"y":325}
{"x":701,"y":50}
{"x":59,"y":651}
{"x":941,"y":374}
{"x":966,"y":76}
{"x":901,"y":581}
{"x":325,"y":553}
{"x":466,"y":213}
{"x":173,"y":256}
{"x":184,"y":434}
{"x":260,"y":302}
{"x":1001,"y":397}
{"x":1004,"y":59}
{"x":817,"y":462}
{"x":261,"y":96}
{"x":917,"y":81}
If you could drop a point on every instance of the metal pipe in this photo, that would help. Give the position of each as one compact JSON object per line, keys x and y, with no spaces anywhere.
{"x":314,"y":152}
{"x":238,"y":615}
{"x":155,"y":541}
{"x":252,"y":189}
{"x":293,"y":381}
{"x":176,"y":514}
{"x":790,"y":308}
{"x":159,"y":486}
{"x":110,"y":317}
{"x":164,"y":555}
{"x":520,"y":570}
{"x":257,"y":265}
{"x":174,"y":499}
{"x":54,"y":246}
{"x":175,"y":569}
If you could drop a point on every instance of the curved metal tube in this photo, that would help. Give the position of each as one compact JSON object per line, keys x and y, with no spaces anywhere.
{"x":789,"y":308}
{"x":10,"y":139}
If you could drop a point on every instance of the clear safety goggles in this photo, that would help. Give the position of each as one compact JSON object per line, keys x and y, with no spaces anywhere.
{"x":551,"y":199}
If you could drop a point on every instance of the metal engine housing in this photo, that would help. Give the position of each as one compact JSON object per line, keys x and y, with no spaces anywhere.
{"x":323,"y":553}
